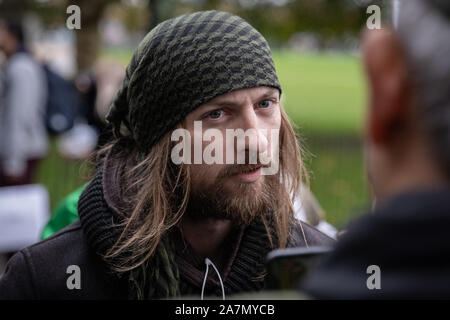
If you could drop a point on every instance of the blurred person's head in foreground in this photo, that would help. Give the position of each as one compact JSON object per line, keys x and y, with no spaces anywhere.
{"x":401,"y":249}
{"x":11,"y":36}
{"x":408,"y":121}
{"x":154,"y":219}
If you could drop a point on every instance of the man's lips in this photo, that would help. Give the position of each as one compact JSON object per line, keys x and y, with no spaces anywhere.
{"x":249,"y":176}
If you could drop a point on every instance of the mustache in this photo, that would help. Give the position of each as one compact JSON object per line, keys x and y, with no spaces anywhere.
{"x":234,"y":169}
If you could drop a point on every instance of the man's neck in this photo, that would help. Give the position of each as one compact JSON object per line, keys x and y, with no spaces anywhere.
{"x":206,"y":235}
{"x":419,"y":171}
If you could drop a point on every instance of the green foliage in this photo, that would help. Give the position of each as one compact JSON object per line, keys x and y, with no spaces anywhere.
{"x":327,"y":18}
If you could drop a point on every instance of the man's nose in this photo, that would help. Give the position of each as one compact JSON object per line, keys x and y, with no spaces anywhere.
{"x":255,"y":134}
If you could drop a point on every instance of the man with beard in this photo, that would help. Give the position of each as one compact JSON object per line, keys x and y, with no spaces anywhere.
{"x":149,"y":227}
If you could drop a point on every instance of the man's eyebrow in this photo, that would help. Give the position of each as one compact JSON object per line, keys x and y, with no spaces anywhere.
{"x":269,"y":93}
{"x":225,"y":103}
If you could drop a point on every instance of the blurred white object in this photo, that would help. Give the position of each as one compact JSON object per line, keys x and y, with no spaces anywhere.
{"x":24,"y":211}
{"x":78,"y":142}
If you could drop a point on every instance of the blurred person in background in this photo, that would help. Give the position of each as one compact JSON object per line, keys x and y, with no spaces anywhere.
{"x":96,"y":90}
{"x":109,"y":76}
{"x":23,"y":94}
{"x":402,"y":249}
{"x":86,"y":87}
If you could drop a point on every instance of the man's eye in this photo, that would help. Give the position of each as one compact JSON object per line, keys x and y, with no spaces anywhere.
{"x":265,"y":104}
{"x":216,"y":114}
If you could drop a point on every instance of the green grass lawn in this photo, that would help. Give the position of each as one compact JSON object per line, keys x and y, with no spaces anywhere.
{"x":338,"y":179}
{"x":60,"y":176}
{"x":325,"y":96}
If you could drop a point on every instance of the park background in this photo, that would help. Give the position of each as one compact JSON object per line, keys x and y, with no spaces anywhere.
{"x":316,"y":52}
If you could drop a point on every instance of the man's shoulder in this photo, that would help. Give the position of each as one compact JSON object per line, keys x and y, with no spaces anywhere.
{"x":68,"y":244}
{"x":303,"y":234}
{"x":43,"y":269}
{"x":67,"y":241}
{"x":73,"y":231}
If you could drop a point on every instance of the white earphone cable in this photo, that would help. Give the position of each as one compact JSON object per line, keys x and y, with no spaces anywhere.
{"x":209,"y":262}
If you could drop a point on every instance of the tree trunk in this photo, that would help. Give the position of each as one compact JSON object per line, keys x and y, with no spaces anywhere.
{"x":88,"y":37}
{"x":154,"y":7}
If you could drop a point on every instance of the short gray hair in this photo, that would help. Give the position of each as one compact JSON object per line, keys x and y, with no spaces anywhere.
{"x":424,"y":30}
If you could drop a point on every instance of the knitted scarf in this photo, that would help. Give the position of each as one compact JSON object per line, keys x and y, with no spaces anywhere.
{"x":158,"y":277}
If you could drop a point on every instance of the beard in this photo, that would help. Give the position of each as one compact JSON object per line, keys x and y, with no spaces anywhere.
{"x":241,"y":204}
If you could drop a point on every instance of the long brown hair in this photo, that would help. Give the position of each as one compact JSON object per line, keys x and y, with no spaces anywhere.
{"x":157,"y":194}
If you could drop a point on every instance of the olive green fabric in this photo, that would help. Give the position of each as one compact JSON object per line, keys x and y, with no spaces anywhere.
{"x":182,"y":63}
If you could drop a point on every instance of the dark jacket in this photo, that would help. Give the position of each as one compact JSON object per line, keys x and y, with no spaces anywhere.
{"x":40,"y":271}
{"x":408,"y":238}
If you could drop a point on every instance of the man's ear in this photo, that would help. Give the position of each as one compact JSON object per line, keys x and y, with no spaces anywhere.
{"x":387,"y":74}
